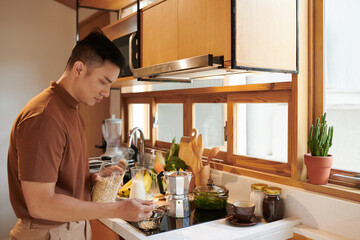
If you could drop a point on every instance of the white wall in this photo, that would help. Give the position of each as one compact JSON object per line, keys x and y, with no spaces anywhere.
{"x":331,"y":216}
{"x":36,"y":38}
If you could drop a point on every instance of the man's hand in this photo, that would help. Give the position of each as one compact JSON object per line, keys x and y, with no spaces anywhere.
{"x":105,"y":172}
{"x":135,"y":209}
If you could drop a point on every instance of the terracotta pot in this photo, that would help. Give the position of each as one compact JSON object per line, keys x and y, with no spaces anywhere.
{"x":318,"y":168}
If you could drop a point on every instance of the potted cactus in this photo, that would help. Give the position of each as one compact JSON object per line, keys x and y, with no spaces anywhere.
{"x":318,"y":162}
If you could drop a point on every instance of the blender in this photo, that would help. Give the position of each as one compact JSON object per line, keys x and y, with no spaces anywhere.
{"x":111,"y":130}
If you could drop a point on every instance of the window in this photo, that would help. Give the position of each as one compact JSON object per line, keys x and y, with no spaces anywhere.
{"x":261,"y":130}
{"x":337,"y":84}
{"x":139,"y":117}
{"x":210,"y":120}
{"x":247,"y":121}
{"x":169,"y":121}
{"x":342,"y":94}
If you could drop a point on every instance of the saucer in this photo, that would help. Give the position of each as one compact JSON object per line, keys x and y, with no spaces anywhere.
{"x":235,"y":222}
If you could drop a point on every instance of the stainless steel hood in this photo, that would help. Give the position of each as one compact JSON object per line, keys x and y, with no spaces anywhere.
{"x":184,"y":70}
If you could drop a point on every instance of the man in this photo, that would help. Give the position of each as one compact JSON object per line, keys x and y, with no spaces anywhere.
{"x":48,"y":171}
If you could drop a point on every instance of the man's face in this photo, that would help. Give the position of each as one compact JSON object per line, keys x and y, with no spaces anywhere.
{"x":93,"y":86}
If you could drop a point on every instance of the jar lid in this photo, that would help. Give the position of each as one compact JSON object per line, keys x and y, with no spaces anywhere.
{"x":272,"y":190}
{"x":211,"y":189}
{"x":258,"y":186}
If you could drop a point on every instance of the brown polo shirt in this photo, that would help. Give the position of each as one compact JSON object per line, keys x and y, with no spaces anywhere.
{"x":47,"y":144}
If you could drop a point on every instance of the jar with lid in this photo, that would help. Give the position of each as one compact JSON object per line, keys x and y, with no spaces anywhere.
{"x":211,"y":196}
{"x":108,"y":184}
{"x":257,"y":197}
{"x":273,"y":204}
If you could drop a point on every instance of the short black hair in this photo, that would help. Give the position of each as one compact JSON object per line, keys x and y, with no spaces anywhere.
{"x":94,"y":49}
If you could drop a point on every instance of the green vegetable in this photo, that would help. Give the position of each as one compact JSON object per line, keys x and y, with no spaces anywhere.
{"x":173,"y":151}
{"x":173,"y":163}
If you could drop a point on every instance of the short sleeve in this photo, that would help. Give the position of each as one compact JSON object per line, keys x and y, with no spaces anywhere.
{"x":41,"y":141}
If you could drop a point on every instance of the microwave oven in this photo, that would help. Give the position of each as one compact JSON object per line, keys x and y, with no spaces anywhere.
{"x":122,"y":43}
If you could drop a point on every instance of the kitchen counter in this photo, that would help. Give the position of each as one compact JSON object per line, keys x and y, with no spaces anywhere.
{"x":218,"y":229}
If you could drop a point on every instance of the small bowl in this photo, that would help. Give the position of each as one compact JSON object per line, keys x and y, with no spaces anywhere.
{"x":152,"y":222}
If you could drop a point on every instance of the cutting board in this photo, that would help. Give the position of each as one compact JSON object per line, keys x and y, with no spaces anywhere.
{"x":186,"y":152}
{"x":191,"y":150}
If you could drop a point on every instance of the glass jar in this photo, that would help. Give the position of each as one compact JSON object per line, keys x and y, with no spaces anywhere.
{"x":257,"y":197}
{"x":211,"y":196}
{"x":273,"y":204}
{"x":108,"y":183}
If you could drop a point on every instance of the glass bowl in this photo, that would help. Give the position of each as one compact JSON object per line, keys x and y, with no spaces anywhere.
{"x":152,"y":222}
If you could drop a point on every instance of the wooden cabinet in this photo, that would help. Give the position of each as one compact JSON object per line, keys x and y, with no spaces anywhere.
{"x":264,"y":32}
{"x":100,"y":231}
{"x":204,"y":27}
{"x":177,"y":29}
{"x":159,"y":33}
{"x":266,"y":35}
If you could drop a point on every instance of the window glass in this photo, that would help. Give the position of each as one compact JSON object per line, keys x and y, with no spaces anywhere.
{"x":169,"y":122}
{"x":342,"y":94}
{"x":209,"y":119}
{"x":139,"y":117}
{"x":261,"y":130}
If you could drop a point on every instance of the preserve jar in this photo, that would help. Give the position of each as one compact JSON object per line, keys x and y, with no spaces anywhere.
{"x":257,"y":197}
{"x":273,"y":204}
{"x":211,"y":196}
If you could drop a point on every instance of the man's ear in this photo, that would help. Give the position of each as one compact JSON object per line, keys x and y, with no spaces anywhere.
{"x":78,"y":67}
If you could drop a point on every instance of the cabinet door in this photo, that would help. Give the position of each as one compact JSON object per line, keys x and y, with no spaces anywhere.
{"x":204,"y":27}
{"x":266,"y":33}
{"x":159,"y":33}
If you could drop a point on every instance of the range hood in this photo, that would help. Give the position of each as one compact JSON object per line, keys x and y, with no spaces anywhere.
{"x":184,"y":70}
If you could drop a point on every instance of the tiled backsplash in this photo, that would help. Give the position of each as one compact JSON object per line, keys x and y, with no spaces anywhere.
{"x":318,"y":211}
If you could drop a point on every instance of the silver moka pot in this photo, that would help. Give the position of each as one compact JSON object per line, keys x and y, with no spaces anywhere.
{"x":178,"y":189}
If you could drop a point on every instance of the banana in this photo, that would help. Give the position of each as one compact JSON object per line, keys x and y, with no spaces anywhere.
{"x":147,"y":182}
{"x":124,"y":191}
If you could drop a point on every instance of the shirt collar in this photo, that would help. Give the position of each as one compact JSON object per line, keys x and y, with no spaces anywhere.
{"x":65,"y":95}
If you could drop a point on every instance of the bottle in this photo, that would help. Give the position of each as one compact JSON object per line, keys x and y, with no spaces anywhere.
{"x":273,"y":204}
{"x":257,"y":197}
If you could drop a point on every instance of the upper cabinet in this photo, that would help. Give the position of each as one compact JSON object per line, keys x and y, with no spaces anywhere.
{"x":265,"y":35}
{"x":177,"y":29}
{"x":252,"y":34}
{"x":204,"y":27}
{"x":159,"y":33}
{"x":259,"y":35}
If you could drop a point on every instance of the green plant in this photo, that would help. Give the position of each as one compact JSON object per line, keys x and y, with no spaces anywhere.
{"x":320,"y":137}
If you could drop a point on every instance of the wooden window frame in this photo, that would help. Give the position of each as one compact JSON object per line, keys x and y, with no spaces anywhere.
{"x":126,"y":115}
{"x":268,"y":92}
{"x":317,"y":87}
{"x":277,"y":96}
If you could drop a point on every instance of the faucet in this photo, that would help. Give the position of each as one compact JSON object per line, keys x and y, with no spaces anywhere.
{"x":139,"y":143}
